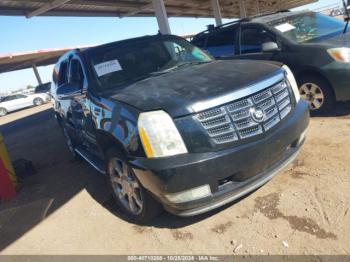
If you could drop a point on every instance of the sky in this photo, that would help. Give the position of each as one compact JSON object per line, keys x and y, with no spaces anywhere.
{"x":20,"y":34}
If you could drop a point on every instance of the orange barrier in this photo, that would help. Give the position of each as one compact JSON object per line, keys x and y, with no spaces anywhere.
{"x":7,"y":162}
{"x":7,"y":189}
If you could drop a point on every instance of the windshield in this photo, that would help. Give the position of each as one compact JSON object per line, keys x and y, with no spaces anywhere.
{"x":124,"y":65}
{"x":309,"y":27}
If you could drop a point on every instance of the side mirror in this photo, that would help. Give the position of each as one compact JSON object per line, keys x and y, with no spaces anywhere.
{"x":270,"y":47}
{"x":69,"y":91}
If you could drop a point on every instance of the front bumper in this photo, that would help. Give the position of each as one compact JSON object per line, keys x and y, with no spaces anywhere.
{"x":338,"y":74}
{"x":230,"y":173}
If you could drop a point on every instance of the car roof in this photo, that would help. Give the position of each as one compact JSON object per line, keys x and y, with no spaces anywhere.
{"x":126,"y":42}
{"x":95,"y":49}
{"x":263,"y":19}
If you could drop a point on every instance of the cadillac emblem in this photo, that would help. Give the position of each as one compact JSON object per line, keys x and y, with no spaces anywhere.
{"x":257,"y":114}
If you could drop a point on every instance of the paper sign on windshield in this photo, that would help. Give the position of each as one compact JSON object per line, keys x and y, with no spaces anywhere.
{"x":107,"y":67}
{"x":285,"y":27}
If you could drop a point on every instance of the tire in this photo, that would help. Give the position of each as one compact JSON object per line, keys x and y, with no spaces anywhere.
{"x":3,"y":111}
{"x":38,"y":101}
{"x":318,"y":93}
{"x":136,"y":202}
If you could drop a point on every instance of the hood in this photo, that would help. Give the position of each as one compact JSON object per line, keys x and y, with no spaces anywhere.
{"x":337,"y":40}
{"x":177,"y":91}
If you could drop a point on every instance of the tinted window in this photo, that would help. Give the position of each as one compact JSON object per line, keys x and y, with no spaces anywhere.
{"x":221,"y":43}
{"x":9,"y":98}
{"x":253,"y":38}
{"x":43,"y":88}
{"x":62,"y":76}
{"x":20,"y":96}
{"x":199,"y":41}
{"x":76,"y":74}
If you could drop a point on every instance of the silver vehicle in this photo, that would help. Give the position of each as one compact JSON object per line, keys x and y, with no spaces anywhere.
{"x":15,"y":102}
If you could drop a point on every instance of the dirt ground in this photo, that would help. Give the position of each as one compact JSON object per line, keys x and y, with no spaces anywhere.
{"x":64,"y":208}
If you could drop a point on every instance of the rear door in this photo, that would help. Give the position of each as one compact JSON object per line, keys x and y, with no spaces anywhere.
{"x":24,"y":101}
{"x":9,"y":103}
{"x":222,"y":42}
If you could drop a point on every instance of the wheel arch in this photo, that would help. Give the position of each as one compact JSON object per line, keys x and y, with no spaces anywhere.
{"x":107,"y":141}
{"x":3,"y":107}
{"x":313,"y":72}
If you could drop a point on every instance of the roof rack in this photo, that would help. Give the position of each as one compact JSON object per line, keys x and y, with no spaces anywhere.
{"x":212,"y":27}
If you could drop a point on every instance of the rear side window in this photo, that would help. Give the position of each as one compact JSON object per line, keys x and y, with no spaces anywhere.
{"x":200,"y":41}
{"x":43,"y":88}
{"x":76,"y":74}
{"x":221,"y":43}
{"x":9,"y":98}
{"x":62,"y":75}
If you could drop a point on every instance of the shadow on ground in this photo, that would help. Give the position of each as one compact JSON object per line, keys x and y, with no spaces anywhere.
{"x":59,"y":177}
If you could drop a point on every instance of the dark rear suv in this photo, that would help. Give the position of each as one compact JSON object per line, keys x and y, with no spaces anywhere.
{"x":311,"y":44}
{"x":170,"y":126}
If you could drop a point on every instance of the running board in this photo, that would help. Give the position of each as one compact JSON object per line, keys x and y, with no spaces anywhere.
{"x":91,"y":159}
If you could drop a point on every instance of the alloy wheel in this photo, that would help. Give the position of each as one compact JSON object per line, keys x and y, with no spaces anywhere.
{"x":313,"y":94}
{"x":3,"y":112}
{"x":125,"y":186}
{"x":38,"y":101}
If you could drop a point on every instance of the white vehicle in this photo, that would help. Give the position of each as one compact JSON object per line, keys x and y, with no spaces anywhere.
{"x":15,"y":102}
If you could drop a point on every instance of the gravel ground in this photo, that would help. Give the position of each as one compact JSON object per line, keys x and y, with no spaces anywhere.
{"x":64,"y":208}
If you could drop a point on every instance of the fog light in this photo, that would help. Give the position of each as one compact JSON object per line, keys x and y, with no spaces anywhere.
{"x":189,"y":195}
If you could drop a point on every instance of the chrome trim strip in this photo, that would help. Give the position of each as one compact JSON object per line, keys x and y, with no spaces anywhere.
{"x":90,"y":162}
{"x":243,"y":191}
{"x":200,"y":106}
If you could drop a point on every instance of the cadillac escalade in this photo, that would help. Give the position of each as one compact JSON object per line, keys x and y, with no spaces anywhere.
{"x":171,"y":127}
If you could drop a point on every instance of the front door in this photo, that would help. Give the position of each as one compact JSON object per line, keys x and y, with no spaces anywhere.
{"x":80,"y":105}
{"x":24,"y":101}
{"x":253,"y":38}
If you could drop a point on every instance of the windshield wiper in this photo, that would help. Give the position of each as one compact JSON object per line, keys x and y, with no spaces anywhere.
{"x":188,"y":63}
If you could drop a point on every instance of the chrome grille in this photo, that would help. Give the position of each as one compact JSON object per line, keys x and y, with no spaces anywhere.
{"x":235,"y":122}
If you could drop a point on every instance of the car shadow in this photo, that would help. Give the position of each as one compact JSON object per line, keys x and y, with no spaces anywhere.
{"x":340,"y":109}
{"x":59,"y":178}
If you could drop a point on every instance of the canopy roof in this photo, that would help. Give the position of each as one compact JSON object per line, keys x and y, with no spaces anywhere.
{"x":17,"y":61}
{"x":124,"y":8}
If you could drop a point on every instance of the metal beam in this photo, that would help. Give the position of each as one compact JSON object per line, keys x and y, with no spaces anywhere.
{"x":217,"y":12}
{"x":162,"y":17}
{"x":47,"y":7}
{"x":242,"y":10}
{"x":138,"y":10}
{"x":37,"y":75}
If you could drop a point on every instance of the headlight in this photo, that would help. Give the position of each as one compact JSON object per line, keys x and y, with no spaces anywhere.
{"x":159,"y":135}
{"x":341,"y":54}
{"x":292,"y":82}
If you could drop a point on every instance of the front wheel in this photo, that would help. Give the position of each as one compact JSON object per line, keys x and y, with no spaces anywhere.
{"x":318,"y":93}
{"x":137,"y":204}
{"x":3,"y":111}
{"x":38,"y":101}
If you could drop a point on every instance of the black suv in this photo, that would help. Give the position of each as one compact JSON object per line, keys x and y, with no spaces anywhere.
{"x":168,"y":124}
{"x":43,"y":88}
{"x":311,"y":44}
